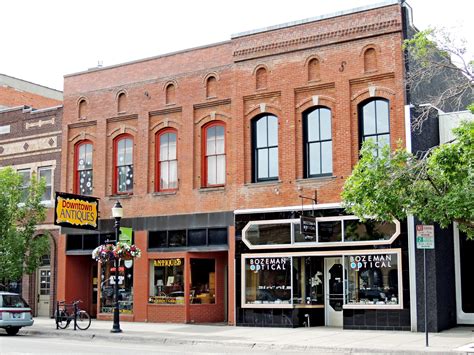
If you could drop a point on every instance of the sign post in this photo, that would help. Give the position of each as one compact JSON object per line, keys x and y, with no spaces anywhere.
{"x":425,"y":240}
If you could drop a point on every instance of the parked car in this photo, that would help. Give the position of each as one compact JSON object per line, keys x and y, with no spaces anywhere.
{"x":14,"y":312}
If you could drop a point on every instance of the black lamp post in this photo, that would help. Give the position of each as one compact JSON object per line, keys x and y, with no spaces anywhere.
{"x":117,"y":213}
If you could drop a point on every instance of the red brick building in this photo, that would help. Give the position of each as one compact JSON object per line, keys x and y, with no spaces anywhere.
{"x":199,"y":143}
{"x":16,"y":92}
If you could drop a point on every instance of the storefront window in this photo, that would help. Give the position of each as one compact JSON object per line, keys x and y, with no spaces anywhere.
{"x":167,"y":281}
{"x":308,"y":280}
{"x":329,"y":231}
{"x":355,"y":230}
{"x":203,"y":281}
{"x":268,"y":280}
{"x":267,"y":234}
{"x":125,"y":287}
{"x":372,"y":279}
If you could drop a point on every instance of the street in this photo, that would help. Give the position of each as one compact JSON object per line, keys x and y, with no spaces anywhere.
{"x":30,"y":344}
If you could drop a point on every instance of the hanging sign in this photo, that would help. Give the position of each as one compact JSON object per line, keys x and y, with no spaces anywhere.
{"x":126,"y":235}
{"x":308,"y":226}
{"x":425,"y":237}
{"x":76,"y":211}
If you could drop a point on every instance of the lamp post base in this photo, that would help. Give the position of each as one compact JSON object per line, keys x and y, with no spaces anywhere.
{"x":114,"y":330}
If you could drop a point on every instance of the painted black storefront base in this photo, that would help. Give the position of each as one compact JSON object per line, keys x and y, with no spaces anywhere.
{"x":281,"y":317}
{"x":377,"y":319}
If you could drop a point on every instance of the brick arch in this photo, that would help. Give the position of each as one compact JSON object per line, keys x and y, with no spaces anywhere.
{"x":208,"y":75}
{"x":323,"y":100}
{"x":170,"y":93}
{"x":123,"y":129}
{"x":267,"y":108}
{"x":121,"y":97}
{"x":165,"y":123}
{"x":370,"y":57}
{"x":82,"y":107}
{"x":313,"y":67}
{"x":261,"y":77}
{"x":212,"y":116}
{"x":378,"y":91}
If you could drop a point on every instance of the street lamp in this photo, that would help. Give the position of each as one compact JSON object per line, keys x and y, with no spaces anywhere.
{"x":117,"y":213}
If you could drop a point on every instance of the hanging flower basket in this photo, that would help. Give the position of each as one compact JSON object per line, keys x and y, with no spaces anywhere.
{"x":108,"y":252}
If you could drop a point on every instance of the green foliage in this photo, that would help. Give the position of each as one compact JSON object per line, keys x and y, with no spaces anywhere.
{"x":20,"y":248}
{"x":438,"y":187}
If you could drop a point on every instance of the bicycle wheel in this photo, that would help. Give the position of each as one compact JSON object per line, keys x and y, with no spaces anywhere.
{"x":62,"y":319}
{"x":83,"y":320}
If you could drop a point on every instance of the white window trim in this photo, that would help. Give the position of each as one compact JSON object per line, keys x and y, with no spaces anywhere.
{"x":34,"y":168}
{"x":341,"y":253}
{"x":315,"y":244}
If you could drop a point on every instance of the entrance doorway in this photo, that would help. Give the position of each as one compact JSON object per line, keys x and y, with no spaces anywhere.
{"x":43,"y":291}
{"x":463,"y":251}
{"x":334,"y":291}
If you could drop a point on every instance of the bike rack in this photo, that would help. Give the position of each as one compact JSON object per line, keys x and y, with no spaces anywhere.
{"x":63,"y":306}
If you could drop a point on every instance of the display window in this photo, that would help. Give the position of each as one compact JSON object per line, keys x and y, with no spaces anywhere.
{"x":369,"y":279}
{"x":308,"y":280}
{"x":372,"y":279}
{"x":166,"y":281}
{"x":203,"y":281}
{"x":125,"y":287}
{"x":268,"y":281}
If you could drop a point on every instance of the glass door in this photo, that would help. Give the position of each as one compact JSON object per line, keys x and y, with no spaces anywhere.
{"x":334,"y":291}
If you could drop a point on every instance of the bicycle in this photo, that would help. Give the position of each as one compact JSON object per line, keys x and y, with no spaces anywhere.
{"x":81,"y":318}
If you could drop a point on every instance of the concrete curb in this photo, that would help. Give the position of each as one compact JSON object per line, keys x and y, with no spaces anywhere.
{"x":149,"y":337}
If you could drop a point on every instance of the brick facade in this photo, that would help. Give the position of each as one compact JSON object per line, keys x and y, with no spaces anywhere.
{"x":336,"y":62}
{"x":31,"y":139}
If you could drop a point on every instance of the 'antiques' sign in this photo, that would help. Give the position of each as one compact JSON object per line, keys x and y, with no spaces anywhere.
{"x":76,"y":211}
{"x":167,"y":262}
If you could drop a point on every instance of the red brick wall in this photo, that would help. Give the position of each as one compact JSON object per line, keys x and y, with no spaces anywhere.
{"x":11,"y":98}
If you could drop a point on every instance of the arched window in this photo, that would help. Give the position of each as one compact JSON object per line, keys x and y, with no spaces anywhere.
{"x":313,"y":70}
{"x":122,"y":102}
{"x":123,"y":181}
{"x":214,"y":154}
{"x":374,"y":120}
{"x":167,"y":161}
{"x":83,"y":180}
{"x":317,"y":138}
{"x":370,"y":60}
{"x":82,"y":109}
{"x":211,"y":87}
{"x":170,"y":94}
{"x":261,"y":78}
{"x":265,"y":148}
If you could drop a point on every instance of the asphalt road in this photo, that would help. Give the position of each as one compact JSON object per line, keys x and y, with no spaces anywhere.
{"x":27,"y":344}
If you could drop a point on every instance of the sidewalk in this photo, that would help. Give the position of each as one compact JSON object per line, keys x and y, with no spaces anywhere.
{"x":315,"y":340}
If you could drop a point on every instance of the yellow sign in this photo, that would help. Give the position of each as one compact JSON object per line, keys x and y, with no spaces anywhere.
{"x":167,"y":262}
{"x":76,"y":212}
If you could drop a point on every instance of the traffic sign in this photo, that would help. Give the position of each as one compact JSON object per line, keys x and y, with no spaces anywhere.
{"x":425,"y":237}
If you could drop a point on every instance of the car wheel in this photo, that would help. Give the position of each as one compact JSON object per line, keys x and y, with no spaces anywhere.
{"x":13,"y":330}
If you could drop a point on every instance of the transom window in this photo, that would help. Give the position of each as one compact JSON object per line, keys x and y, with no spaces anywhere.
{"x":214,"y":155}
{"x":84,"y":176}
{"x":167,"y":166}
{"x":265,"y":148}
{"x":317,"y":142}
{"x":124,"y":164}
{"x":334,"y":231}
{"x":374,"y":116}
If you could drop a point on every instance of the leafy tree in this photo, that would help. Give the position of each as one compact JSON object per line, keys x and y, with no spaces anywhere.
{"x":436,"y":187}
{"x":20,"y":248}
{"x":440,"y":72}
